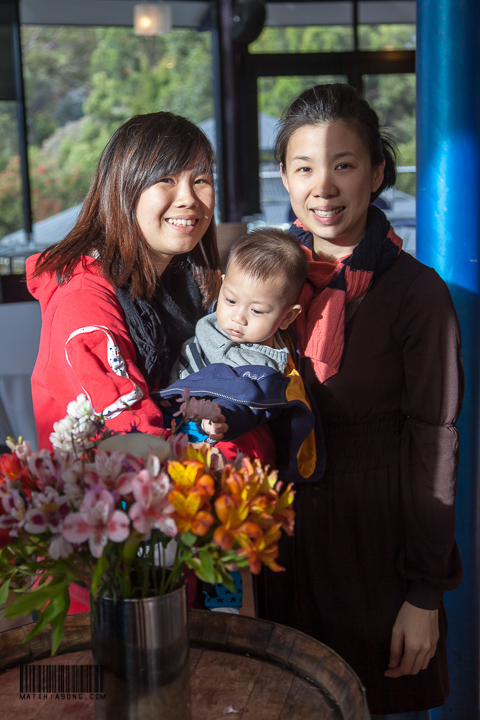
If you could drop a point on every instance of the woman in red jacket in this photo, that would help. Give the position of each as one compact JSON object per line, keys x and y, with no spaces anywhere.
{"x":122,"y":292}
{"x":124,"y":289}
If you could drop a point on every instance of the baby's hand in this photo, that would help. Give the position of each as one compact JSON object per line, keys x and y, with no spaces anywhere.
{"x":215,"y":429}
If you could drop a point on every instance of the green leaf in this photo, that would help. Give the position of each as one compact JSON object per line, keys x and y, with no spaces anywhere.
{"x":30,"y":550}
{"x":4,"y":591}
{"x":130,"y":550}
{"x":55,"y":607}
{"x":101,"y":567}
{"x":226,"y":578}
{"x":58,"y":629}
{"x":127,"y":586}
{"x":188,"y":539}
{"x":206,"y":566}
{"x":200,"y":575}
{"x":31,"y":600}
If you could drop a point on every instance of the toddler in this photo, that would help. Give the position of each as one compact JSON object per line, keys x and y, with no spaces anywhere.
{"x":264,"y":275}
{"x":242,"y":357}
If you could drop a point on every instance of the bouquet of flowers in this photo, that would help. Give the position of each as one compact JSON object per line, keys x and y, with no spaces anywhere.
{"x":108,"y":511}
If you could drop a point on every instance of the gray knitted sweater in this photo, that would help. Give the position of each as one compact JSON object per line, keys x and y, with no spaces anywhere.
{"x":211,"y":345}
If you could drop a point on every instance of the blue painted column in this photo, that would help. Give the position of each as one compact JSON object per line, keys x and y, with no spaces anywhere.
{"x":448,"y":238}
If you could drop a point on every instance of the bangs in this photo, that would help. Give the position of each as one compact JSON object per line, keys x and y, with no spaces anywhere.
{"x":195,"y":155}
{"x":151,"y":147}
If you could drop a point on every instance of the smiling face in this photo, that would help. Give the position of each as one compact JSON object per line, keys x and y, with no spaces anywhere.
{"x":250,"y":310}
{"x":329,"y":176}
{"x":174,"y":213}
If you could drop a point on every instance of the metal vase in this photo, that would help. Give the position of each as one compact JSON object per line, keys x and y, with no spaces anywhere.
{"x":143,"y":647}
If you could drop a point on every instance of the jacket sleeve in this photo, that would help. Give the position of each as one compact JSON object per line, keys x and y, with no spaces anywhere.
{"x":248,"y":395}
{"x":241,"y":419}
{"x":96,"y":356}
{"x":429,"y":336}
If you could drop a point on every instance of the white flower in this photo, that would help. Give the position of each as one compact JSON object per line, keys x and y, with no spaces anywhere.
{"x":22,"y":449}
{"x":74,"y":432}
{"x":59,"y":548}
{"x":73,"y":483}
{"x":80,"y":408}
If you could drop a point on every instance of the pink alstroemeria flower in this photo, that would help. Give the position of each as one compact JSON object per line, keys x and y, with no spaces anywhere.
{"x":48,"y":511}
{"x":47,"y":468}
{"x":178,"y":443}
{"x":197,"y":408}
{"x":15,"y":506}
{"x":152,"y":505}
{"x":109,"y":471}
{"x":97,"y":521}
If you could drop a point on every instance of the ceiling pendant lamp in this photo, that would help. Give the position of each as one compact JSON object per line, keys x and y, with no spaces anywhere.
{"x":153,"y":18}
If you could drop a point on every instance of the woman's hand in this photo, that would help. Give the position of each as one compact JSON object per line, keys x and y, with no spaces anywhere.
{"x":215,"y":429}
{"x":414,"y":640}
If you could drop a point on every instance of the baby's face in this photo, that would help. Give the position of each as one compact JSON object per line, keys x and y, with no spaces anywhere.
{"x":251,"y":310}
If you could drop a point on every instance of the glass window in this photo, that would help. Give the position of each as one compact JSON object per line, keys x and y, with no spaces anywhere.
{"x":80,"y":85}
{"x":11,"y":218}
{"x":387,"y":37}
{"x":331,"y":38}
{"x":393,"y":97}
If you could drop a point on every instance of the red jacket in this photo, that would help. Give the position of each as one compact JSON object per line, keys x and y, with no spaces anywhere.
{"x":85,"y":347}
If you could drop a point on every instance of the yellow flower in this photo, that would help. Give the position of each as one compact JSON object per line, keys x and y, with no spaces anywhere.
{"x":190,"y":475}
{"x":189,"y":513}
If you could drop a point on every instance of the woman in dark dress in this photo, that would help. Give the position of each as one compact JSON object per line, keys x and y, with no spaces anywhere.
{"x":374,"y":547}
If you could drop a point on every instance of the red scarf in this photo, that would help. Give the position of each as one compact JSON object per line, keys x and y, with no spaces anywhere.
{"x":320,"y":327}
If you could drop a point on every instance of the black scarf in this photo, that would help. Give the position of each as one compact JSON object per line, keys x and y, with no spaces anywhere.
{"x":159,"y":327}
{"x":320,"y":328}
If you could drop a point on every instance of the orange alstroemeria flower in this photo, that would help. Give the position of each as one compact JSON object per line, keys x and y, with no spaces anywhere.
{"x":284,"y":512}
{"x":268,"y":510}
{"x":235,"y":532}
{"x":201,"y":523}
{"x":190,"y":475}
{"x":11,"y":468}
{"x":206,"y":485}
{"x":233,"y":481}
{"x":190,"y":514}
{"x":232,"y":513}
{"x":224,"y":538}
{"x":263,"y":550}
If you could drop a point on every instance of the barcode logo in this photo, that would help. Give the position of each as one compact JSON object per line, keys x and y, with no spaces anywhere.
{"x":61,"y":679}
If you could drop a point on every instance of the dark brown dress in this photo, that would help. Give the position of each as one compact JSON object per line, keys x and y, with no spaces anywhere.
{"x":378,"y":529}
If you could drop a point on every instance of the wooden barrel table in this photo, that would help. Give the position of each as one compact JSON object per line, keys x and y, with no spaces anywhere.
{"x":241,"y":668}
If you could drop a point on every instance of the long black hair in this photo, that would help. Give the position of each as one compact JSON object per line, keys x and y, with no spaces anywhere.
{"x":142,"y":151}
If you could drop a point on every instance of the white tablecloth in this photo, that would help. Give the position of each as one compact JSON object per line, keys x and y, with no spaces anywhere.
{"x":20,"y":325}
